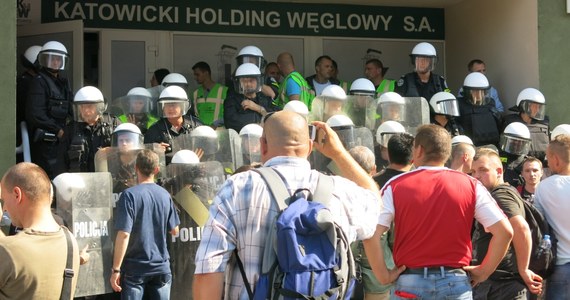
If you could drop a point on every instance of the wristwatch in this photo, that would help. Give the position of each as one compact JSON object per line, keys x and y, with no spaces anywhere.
{"x":116,"y":271}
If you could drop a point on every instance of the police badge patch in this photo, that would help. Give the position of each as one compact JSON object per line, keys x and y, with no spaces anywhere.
{"x":400,"y":82}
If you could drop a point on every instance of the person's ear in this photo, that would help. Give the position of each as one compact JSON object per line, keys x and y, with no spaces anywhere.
{"x":263,"y":144}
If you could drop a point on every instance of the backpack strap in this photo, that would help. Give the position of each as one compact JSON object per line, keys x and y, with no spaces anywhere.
{"x":68,"y":271}
{"x":279,"y":191}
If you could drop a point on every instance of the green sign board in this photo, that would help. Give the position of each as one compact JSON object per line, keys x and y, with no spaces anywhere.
{"x":252,"y":17}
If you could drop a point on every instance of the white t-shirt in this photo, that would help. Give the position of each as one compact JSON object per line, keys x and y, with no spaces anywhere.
{"x":319,"y":87}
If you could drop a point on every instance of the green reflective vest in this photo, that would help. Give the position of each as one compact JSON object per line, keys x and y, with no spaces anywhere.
{"x":306,"y":95}
{"x":210,"y":107}
{"x":386,"y":85}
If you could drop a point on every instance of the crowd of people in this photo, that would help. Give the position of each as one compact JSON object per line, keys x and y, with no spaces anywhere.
{"x":429,"y":187}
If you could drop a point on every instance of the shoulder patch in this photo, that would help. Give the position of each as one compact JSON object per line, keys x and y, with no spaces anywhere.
{"x":400,"y":82}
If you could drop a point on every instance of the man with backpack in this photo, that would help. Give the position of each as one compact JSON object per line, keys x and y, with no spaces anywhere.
{"x":551,"y":197}
{"x":433,"y":209}
{"x":513,"y":277}
{"x":244,"y":211}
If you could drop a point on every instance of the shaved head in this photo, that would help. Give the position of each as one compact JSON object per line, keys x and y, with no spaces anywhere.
{"x":285,"y":133}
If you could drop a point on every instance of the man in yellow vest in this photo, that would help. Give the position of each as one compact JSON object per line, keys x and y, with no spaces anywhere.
{"x":374,"y":70}
{"x":294,"y":86}
{"x":208,"y":98}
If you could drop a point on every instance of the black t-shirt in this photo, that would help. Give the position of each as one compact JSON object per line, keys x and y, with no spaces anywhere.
{"x":511,"y":207}
{"x":385,"y":175}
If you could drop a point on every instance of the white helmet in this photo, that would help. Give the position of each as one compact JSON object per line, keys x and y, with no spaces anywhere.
{"x":337,"y":121}
{"x":297,"y":106}
{"x":444,"y":103}
{"x":175,"y":79}
{"x":53,"y":56}
{"x":560,"y":129}
{"x":391,"y":107}
{"x":362,"y":86}
{"x":334,"y":91}
{"x":185,"y":157}
{"x":515,"y":139}
{"x":173,"y":95}
{"x":427,"y":51}
{"x":248,"y":79}
{"x":532,"y":102}
{"x":31,"y":54}
{"x":137,"y":101}
{"x":461,"y":139}
{"x":206,"y":138}
{"x":128,"y":133}
{"x":386,"y":130}
{"x":251,"y":54}
{"x":88,"y":95}
{"x":476,"y":88}
{"x":251,"y":130}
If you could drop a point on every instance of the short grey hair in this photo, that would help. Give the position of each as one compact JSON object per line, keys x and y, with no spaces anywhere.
{"x":364,"y":157}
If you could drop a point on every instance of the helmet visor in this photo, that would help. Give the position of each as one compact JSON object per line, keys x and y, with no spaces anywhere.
{"x":423,"y":64}
{"x":385,"y":137}
{"x":135,"y":104}
{"x":448,"y":107}
{"x":514,"y":145}
{"x":256,"y":60}
{"x":173,"y":108}
{"x":535,"y":110}
{"x":251,"y":149}
{"x":477,"y":96}
{"x":127,"y":140}
{"x":52,"y":61}
{"x":87,"y":112}
{"x":248,"y":84}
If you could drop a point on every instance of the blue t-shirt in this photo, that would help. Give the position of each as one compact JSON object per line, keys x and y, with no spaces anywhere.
{"x":147,"y":212}
{"x":292,"y":87}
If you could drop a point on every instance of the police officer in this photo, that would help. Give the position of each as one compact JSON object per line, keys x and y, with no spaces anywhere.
{"x":362,"y":103}
{"x":136,"y":107}
{"x":90,"y":131}
{"x":173,"y":103}
{"x":383,"y":134}
{"x":247,"y":105}
{"x":530,"y":108}
{"x":29,"y":60}
{"x":49,"y":108}
{"x":253,"y":55}
{"x":422,"y":82}
{"x":514,"y":146}
{"x":445,"y":107}
{"x":560,"y":129}
{"x":478,"y":115}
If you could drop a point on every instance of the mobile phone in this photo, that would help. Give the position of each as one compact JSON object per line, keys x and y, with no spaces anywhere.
{"x":312,"y":132}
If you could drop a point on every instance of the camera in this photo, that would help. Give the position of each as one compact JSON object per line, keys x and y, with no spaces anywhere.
{"x":312,"y":132}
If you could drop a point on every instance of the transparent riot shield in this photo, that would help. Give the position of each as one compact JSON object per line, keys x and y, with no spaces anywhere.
{"x":224,"y":153}
{"x":412,"y":114}
{"x":324,"y":107}
{"x":84,"y":203}
{"x":193,"y":187}
{"x":155,"y":94}
{"x":121,"y":165}
{"x":245,"y":149}
{"x":361,"y":109}
{"x":350,"y":137}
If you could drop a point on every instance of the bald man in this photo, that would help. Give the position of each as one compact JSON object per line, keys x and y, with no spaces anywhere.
{"x":294,"y":86}
{"x":34,"y":260}
{"x":243,"y":212}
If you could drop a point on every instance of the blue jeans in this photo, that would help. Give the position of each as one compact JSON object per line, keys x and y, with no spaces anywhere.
{"x":558,"y":284}
{"x":154,"y":286}
{"x":432,"y":285}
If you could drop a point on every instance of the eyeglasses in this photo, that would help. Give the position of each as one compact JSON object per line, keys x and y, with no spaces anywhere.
{"x":266,"y":117}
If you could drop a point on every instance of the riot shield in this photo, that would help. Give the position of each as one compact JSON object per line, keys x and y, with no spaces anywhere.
{"x":224,"y":153}
{"x":361,"y":109}
{"x":350,"y":137}
{"x":121,"y":165}
{"x":155,"y":94}
{"x":414,"y":113}
{"x":324,"y":107}
{"x":84,"y":203}
{"x":193,"y":187}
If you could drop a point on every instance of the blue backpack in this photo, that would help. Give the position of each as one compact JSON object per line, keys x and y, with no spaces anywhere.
{"x":307,"y":255}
